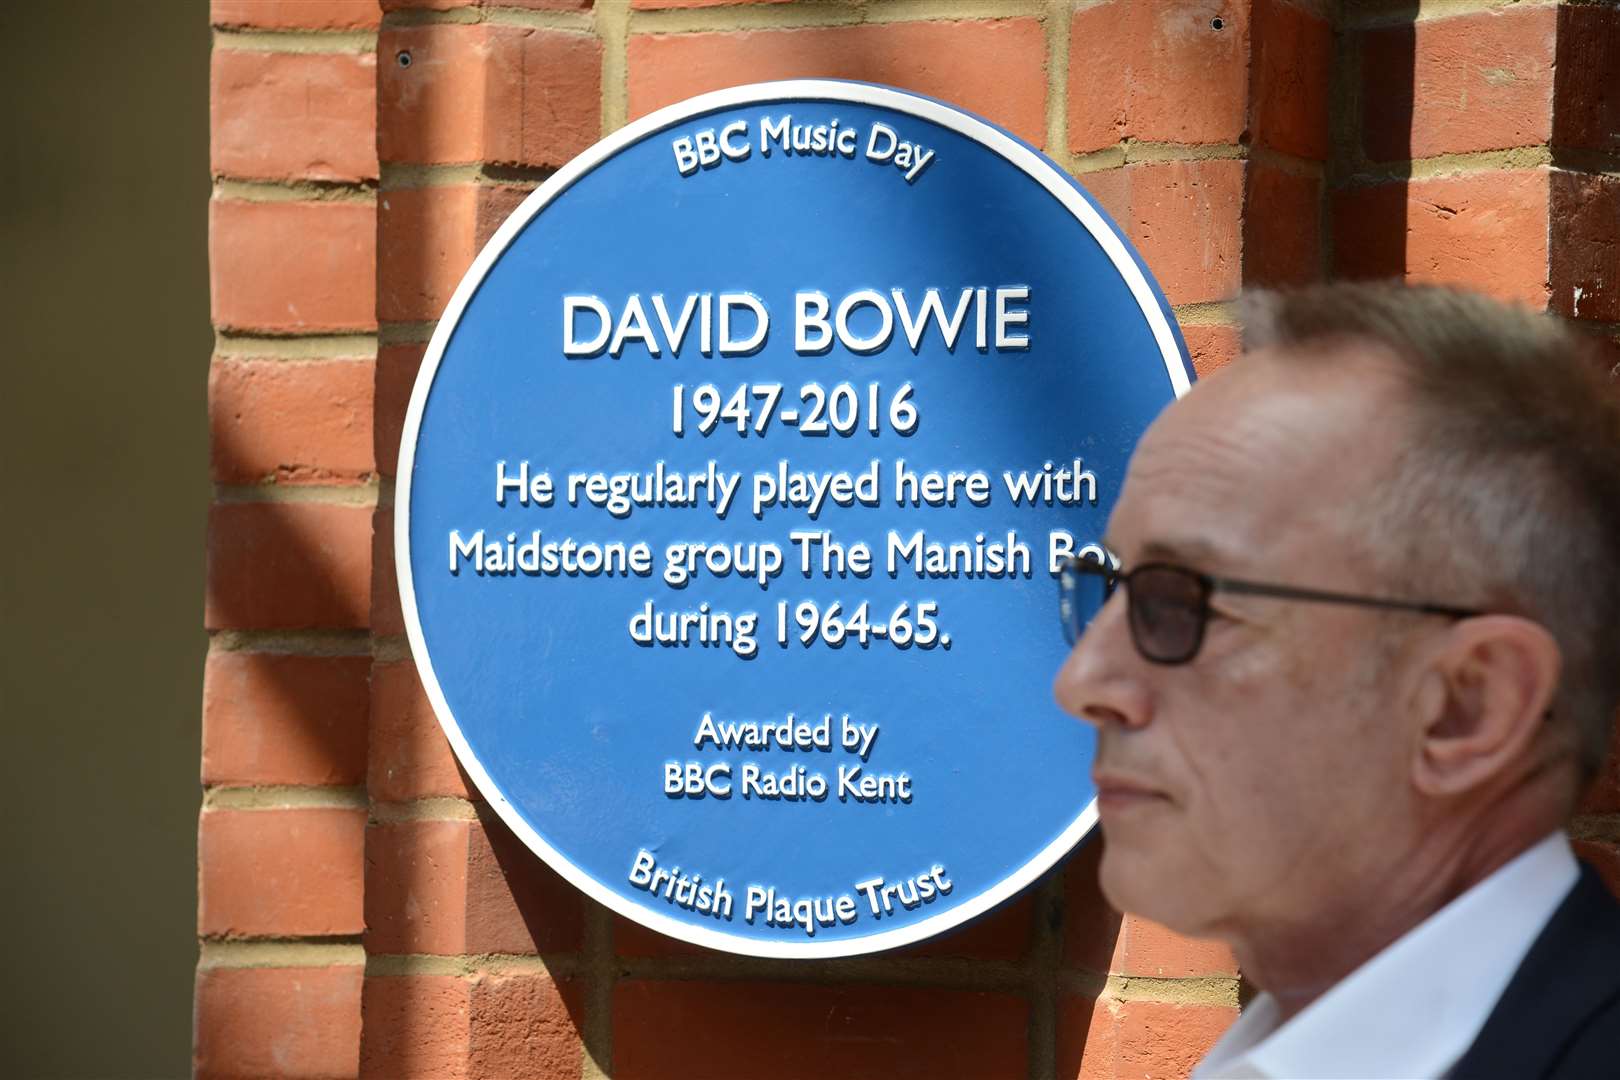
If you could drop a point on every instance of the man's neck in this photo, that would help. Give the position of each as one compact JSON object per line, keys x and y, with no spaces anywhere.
{"x":1298,"y":963}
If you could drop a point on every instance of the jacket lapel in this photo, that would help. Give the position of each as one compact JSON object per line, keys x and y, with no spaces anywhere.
{"x":1569,"y":980}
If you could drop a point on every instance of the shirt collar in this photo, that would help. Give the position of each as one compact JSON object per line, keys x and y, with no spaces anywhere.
{"x":1415,"y":1007}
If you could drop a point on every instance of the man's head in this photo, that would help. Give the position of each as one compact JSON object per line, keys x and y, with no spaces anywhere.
{"x":1405,"y":444}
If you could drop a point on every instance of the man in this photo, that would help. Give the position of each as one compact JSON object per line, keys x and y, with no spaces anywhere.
{"x":1358,"y":662}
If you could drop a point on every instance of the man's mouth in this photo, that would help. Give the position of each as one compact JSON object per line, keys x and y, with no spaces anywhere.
{"x":1120,"y":792}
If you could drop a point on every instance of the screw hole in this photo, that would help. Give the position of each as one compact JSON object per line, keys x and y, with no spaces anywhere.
{"x":1217,"y":23}
{"x":404,"y":58}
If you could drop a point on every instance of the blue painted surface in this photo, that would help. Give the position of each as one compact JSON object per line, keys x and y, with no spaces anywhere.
{"x":574,"y":722}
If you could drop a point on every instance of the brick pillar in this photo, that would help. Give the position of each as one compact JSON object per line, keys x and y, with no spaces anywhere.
{"x":1482,"y":148}
{"x":361,"y":911}
{"x":281,"y":835}
{"x":474,"y":949}
{"x":1203,"y":128}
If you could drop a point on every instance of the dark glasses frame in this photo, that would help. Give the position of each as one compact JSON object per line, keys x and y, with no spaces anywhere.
{"x":1078,"y":567}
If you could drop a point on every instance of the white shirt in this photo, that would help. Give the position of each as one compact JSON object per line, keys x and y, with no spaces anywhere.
{"x":1412,"y":1010}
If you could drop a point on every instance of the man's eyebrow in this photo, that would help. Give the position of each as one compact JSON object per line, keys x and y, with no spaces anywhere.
{"x":1184,"y":550}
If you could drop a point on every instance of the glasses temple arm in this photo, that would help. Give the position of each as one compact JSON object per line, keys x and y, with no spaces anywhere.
{"x":1319,"y":596}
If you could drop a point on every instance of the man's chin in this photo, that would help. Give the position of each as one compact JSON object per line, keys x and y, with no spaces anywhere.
{"x":1134,"y":880}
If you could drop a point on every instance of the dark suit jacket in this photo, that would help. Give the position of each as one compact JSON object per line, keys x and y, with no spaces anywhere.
{"x":1560,"y":1014}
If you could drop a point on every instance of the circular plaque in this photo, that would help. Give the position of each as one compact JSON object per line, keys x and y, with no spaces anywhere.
{"x":730,"y":500}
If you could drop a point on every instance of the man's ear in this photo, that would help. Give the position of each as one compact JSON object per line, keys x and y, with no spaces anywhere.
{"x":1483,"y":697}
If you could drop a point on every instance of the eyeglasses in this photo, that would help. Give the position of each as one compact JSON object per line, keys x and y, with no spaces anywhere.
{"x":1169,"y":604}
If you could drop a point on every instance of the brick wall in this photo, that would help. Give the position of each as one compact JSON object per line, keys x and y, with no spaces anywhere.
{"x":361,"y":913}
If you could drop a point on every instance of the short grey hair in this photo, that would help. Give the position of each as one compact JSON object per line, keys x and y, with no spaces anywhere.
{"x":1507,"y":494}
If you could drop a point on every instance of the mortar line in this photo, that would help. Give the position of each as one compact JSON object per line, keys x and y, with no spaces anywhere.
{"x":554,"y":966}
{"x":612,"y":22}
{"x":1208,"y":313}
{"x":1399,"y":12}
{"x":946,"y":973}
{"x":228,"y":939}
{"x":406,"y":176}
{"x":235,"y":343}
{"x":819,"y":14}
{"x":243,"y":189}
{"x":1136,"y":152}
{"x":1344,"y":135}
{"x":1588,"y":162}
{"x":1604,"y":827}
{"x":429,"y":808}
{"x":328,"y":643}
{"x":1056,"y":23}
{"x":1208,"y":990}
{"x":1445,"y":165}
{"x":1046,"y":955}
{"x":363,"y":493}
{"x":405,"y":333}
{"x":316,"y":42}
{"x":282,"y":797}
{"x":323,"y":348}
{"x":390,"y":648}
{"x":213,"y":955}
{"x":600,"y":973}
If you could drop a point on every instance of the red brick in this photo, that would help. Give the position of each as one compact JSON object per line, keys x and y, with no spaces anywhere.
{"x":416,"y":887}
{"x":296,"y":14}
{"x":525,"y":1027}
{"x":410,"y":756}
{"x":280,"y":873}
{"x":397,"y":366}
{"x":1291,"y":63}
{"x":443,"y":1027}
{"x":452,"y":888}
{"x":272,"y":719}
{"x":1003,"y":934}
{"x":1146,"y":949}
{"x":308,"y":116}
{"x":285,"y":566}
{"x":415,"y":1027}
{"x":501,"y":94}
{"x":1584,"y":221}
{"x":387,"y":617}
{"x":1586,"y":111}
{"x":1211,"y":347}
{"x":1486,"y":231}
{"x":1604,"y":857}
{"x":283,"y":1022}
{"x":495,"y":204}
{"x":1184,"y":218}
{"x":426,"y":240}
{"x":1473,"y":82}
{"x":796,"y":1030}
{"x":1108,"y":1039}
{"x":1157,"y":72}
{"x":1282,"y":231}
{"x":995,"y":68}
{"x":1090,"y":924}
{"x":291,"y":422}
{"x":1112,"y":190}
{"x":292,"y":267}
{"x":515,"y":902}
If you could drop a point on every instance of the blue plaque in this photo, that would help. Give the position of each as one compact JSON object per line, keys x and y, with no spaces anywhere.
{"x":730,"y":502}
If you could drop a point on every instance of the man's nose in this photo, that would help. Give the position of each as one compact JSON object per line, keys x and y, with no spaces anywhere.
{"x":1101,"y":681}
